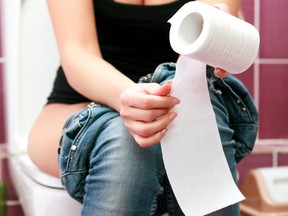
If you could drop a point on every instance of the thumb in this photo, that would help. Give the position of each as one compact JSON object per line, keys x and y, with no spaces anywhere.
{"x":164,"y":90}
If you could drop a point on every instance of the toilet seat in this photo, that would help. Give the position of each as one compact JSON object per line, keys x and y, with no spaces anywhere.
{"x":40,"y":196}
{"x":37,"y":175}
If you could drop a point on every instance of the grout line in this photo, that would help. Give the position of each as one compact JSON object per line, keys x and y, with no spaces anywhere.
{"x":256,"y":63}
{"x":256,"y":84}
{"x":256,"y":67}
{"x":13,"y":202}
{"x":272,"y":61}
{"x":272,"y":141}
{"x":257,"y":14}
{"x":2,"y":60}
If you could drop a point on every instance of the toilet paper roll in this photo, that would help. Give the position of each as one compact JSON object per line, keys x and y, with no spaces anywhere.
{"x":209,"y":35}
{"x":192,"y":150}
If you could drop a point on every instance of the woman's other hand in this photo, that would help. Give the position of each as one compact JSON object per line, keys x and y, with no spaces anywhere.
{"x":146,"y":110}
{"x":220,"y":73}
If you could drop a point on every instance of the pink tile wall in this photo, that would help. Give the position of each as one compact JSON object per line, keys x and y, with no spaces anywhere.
{"x":266,"y":79}
{"x":248,"y":79}
{"x":2,"y":128}
{"x":1,"y":50}
{"x":274,"y":32}
{"x":273,"y":104}
{"x":11,"y":210}
{"x":248,"y":10}
{"x":273,"y":68}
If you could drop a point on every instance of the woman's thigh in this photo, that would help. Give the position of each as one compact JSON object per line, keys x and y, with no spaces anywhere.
{"x":45,"y":135}
{"x":104,"y":168}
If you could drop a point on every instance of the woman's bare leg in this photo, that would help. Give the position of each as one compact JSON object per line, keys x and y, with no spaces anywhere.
{"x":45,"y":135}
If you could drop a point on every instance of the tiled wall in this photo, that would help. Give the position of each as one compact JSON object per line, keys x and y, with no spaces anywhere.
{"x":266,"y":79}
{"x":13,"y":208}
{"x":2,"y":128}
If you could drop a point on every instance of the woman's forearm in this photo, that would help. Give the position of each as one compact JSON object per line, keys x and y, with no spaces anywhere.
{"x":94,"y":78}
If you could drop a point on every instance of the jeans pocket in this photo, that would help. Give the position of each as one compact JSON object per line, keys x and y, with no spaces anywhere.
{"x":73,"y":173}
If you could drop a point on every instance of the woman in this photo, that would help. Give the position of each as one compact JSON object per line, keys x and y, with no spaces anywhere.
{"x":109,"y":156}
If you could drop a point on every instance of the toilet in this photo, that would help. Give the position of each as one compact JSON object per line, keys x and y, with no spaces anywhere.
{"x":31,"y":60}
{"x":266,"y":192}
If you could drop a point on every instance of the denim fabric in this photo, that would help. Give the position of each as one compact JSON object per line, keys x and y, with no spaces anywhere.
{"x":103,"y":168}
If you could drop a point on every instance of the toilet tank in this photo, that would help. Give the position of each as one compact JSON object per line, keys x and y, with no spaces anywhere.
{"x":31,"y":60}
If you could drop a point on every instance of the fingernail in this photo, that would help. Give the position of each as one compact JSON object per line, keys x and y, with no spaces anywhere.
{"x":172,"y":115}
{"x":219,"y":72}
{"x":164,"y":131}
{"x":176,"y":101}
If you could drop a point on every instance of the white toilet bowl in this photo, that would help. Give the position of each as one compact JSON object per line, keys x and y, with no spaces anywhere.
{"x":31,"y":61}
{"x":40,"y":194}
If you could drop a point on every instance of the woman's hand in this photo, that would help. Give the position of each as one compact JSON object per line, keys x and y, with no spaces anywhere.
{"x":145,"y":109}
{"x":220,"y":73}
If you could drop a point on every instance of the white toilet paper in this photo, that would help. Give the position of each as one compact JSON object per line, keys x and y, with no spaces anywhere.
{"x":209,"y":35}
{"x":192,"y":151}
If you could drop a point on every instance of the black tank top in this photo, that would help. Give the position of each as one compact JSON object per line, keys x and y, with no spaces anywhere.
{"x":133,"y":38}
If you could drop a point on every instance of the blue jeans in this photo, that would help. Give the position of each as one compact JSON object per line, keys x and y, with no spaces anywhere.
{"x":103,"y":168}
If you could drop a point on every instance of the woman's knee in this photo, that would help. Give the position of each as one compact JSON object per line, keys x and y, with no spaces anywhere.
{"x":120,"y":170}
{"x":99,"y":153}
{"x":117,"y":150}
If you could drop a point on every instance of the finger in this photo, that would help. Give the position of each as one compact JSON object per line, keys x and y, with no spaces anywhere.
{"x":142,"y":114}
{"x":146,"y":101}
{"x":220,"y":73}
{"x":145,"y":142}
{"x":163,"y":90}
{"x":149,"y":129}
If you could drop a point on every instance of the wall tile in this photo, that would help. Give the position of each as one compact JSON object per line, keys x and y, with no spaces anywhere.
{"x":247,"y":9}
{"x":2,"y":129}
{"x":2,"y":119}
{"x":282,"y":159}
{"x":273,"y":105}
{"x":1,"y":19}
{"x":273,"y":29}
{"x":248,"y":79}
{"x":11,"y":194}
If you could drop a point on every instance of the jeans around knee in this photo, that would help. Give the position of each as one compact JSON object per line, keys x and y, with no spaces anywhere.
{"x":103,"y":168}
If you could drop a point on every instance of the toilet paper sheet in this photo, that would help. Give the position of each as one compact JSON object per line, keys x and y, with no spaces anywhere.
{"x":192,"y":151}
